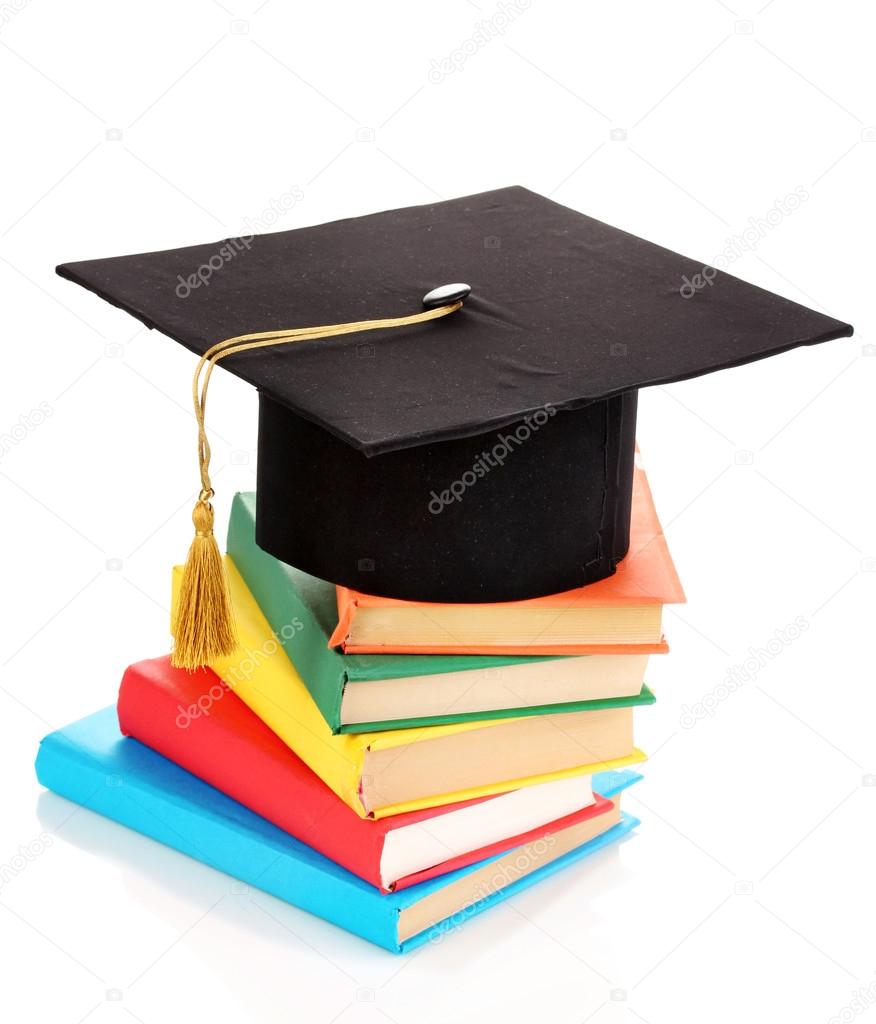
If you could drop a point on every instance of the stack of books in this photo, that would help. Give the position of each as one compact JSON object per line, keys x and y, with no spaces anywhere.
{"x":396,"y":763}
{"x":391,"y":766}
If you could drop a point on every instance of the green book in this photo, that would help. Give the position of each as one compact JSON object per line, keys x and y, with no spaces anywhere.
{"x":374,"y":692}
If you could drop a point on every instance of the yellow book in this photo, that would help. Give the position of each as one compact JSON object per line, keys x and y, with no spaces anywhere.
{"x":384,"y":773}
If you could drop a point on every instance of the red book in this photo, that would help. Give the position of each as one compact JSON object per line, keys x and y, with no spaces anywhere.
{"x":195,"y":720}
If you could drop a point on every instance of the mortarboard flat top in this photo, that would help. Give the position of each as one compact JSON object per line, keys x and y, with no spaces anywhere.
{"x":370,"y":446}
{"x":564,"y":309}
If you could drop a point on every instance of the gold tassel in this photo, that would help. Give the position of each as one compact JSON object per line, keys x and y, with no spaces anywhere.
{"x":205,"y":627}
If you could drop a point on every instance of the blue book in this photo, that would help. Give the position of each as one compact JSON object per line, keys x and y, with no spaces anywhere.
{"x":91,"y":763}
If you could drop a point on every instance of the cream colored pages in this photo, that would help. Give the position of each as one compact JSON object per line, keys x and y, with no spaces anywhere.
{"x":592,"y":677}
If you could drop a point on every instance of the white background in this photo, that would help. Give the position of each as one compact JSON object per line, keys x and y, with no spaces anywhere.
{"x":749,"y":889}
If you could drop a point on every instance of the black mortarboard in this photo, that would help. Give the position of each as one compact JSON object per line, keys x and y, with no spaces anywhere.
{"x":484,"y":456}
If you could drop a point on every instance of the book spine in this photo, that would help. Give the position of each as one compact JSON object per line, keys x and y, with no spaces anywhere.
{"x":211,"y":838}
{"x":230,"y":748}
{"x":290,"y":618}
{"x":272,"y":688}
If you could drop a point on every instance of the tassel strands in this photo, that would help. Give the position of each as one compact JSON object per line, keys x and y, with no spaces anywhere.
{"x":204,"y":627}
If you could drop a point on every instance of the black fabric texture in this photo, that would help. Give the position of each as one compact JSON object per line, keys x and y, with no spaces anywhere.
{"x":358,"y":434}
{"x":564,"y":309}
{"x":548,"y":509}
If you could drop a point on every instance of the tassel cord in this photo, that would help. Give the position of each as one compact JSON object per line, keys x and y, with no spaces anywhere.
{"x":204,"y":627}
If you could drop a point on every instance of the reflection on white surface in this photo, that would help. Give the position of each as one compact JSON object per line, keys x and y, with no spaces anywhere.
{"x":161,"y":879}
{"x":748,"y":891}
{"x":201,"y":914}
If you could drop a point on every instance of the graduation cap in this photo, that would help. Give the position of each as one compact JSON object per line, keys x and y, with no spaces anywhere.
{"x":470,"y":448}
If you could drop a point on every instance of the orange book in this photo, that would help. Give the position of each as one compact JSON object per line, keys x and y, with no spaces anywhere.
{"x":618,"y":615}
